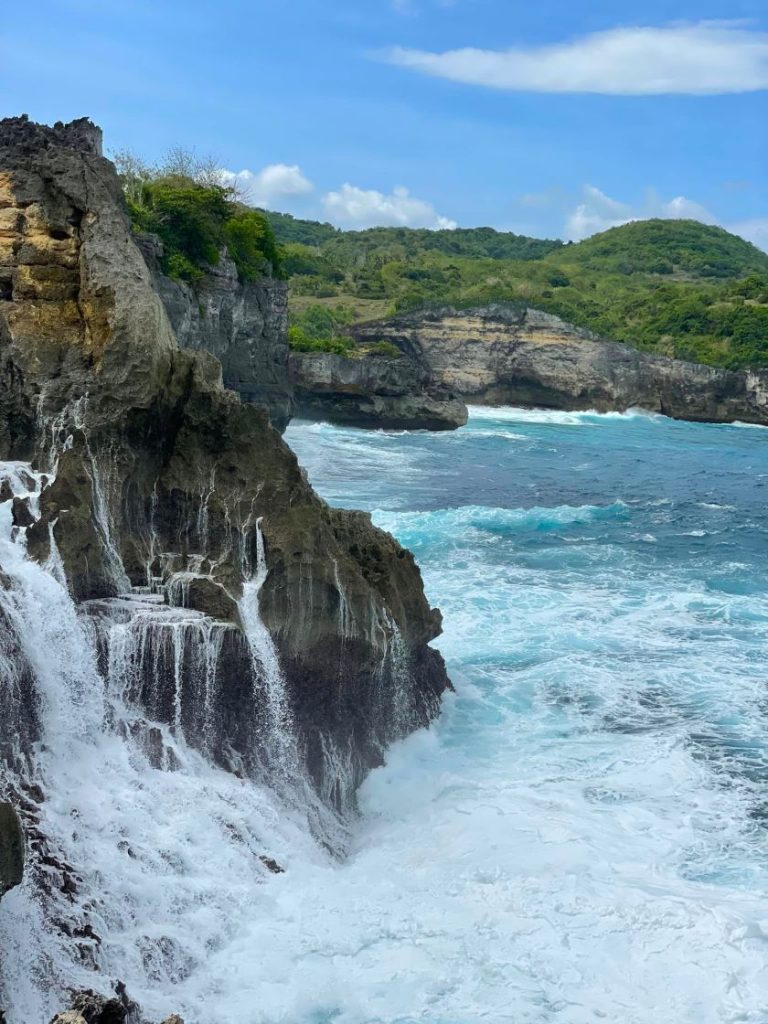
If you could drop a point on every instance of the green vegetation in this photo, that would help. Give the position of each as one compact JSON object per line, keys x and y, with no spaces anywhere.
{"x":196,"y":215}
{"x":320,"y":329}
{"x":676,"y":287}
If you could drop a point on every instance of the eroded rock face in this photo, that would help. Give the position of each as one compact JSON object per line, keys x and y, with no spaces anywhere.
{"x":243,"y":325}
{"x":504,"y":355}
{"x":11,"y":849}
{"x":370,"y":390}
{"x":162,"y":477}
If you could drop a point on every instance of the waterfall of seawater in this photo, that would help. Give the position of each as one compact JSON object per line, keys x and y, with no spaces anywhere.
{"x":154,"y":857}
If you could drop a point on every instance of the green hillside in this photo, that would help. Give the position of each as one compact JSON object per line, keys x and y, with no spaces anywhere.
{"x":682,"y":247}
{"x":672,"y":286}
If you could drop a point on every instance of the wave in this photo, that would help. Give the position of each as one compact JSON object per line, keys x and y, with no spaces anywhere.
{"x":453,"y":522}
{"x":560,"y":417}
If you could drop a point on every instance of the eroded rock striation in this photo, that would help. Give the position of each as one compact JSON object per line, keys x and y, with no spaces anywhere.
{"x":372,"y":390}
{"x":508,"y":355}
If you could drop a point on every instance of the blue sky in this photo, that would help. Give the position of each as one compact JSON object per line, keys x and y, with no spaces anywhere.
{"x":554,"y":118}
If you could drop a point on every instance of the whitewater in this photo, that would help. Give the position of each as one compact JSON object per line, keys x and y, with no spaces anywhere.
{"x":580,"y":837}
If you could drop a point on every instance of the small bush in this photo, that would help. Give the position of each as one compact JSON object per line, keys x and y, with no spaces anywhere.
{"x":300,"y":341}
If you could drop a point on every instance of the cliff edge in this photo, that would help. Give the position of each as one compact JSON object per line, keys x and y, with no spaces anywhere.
{"x":510,"y":355}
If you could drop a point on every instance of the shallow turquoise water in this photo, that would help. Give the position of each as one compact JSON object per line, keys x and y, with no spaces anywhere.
{"x":582,"y":836}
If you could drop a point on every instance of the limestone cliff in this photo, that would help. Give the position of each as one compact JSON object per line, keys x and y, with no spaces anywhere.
{"x":163,"y":486}
{"x":372,"y":390}
{"x":511,"y":355}
{"x":243,"y":324}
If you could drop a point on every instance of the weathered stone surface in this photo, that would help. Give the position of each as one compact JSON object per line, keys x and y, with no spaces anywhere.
{"x":160,"y":470}
{"x":500,"y":354}
{"x":371,"y":390}
{"x":92,"y":1008}
{"x":243,"y":324}
{"x":11,"y":849}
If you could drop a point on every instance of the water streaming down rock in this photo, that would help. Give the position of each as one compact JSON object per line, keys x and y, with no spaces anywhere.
{"x":195,"y":649}
{"x":124,"y":688}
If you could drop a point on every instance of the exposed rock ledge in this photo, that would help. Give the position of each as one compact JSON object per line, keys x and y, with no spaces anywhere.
{"x":506,"y":355}
{"x":372,"y":390}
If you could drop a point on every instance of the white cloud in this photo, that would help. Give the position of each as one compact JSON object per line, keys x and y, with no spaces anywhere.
{"x":272,"y":184}
{"x":353,"y":207}
{"x":754,"y":230}
{"x":707,"y":57}
{"x":598,"y":212}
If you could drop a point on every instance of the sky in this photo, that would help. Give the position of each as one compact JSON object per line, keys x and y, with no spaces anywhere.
{"x":554,"y":118}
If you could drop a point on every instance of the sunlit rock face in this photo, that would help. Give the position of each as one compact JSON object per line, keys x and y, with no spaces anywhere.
{"x":169,"y":581}
{"x":510,"y":355}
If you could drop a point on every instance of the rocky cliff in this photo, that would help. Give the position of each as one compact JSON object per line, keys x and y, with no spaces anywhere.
{"x":499,"y":355}
{"x":221,"y":606}
{"x":243,"y":324}
{"x":372,"y":390}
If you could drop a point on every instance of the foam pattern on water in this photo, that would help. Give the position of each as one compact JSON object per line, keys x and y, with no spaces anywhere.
{"x":583,"y":835}
{"x":580,"y":838}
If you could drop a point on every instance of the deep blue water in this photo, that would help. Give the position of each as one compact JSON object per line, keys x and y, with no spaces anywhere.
{"x":584,"y":834}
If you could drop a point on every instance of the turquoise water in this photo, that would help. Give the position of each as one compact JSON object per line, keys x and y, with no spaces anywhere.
{"x":582,"y":837}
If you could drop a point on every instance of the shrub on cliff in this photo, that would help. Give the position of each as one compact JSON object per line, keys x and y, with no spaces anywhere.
{"x":300,"y":341}
{"x":196,"y":213}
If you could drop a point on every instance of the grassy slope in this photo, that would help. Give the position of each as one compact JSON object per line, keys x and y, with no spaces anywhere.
{"x":678,"y":287}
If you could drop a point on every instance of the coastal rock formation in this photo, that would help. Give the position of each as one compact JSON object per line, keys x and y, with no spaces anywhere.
{"x":372,"y":390}
{"x":221,"y":606}
{"x":506,"y":355}
{"x":11,"y":849}
{"x":243,"y":324}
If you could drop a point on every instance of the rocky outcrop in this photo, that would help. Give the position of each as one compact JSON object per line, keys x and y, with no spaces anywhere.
{"x":162,"y":481}
{"x":11,"y":849}
{"x":372,"y":390}
{"x":243,"y":324}
{"x":91,"y":1008}
{"x":506,"y":355}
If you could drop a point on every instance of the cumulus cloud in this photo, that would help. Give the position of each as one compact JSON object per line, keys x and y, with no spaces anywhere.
{"x":703,"y":58}
{"x":754,"y":230}
{"x":598,"y":212}
{"x":272,"y":184}
{"x":353,"y":207}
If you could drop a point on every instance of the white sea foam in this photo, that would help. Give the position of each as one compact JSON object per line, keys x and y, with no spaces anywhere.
{"x":578,"y":839}
{"x":586,"y":417}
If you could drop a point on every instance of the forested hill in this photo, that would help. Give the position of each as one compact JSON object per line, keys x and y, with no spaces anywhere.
{"x":673,"y":286}
{"x":471,"y":242}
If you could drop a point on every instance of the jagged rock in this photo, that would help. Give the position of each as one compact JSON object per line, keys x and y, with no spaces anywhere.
{"x":92,"y":1008}
{"x":11,"y":849}
{"x":271,"y":865}
{"x":204,"y":594}
{"x":161,"y":469}
{"x":370,"y":390}
{"x":20,"y":512}
{"x":243,"y":324}
{"x":509,"y":355}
